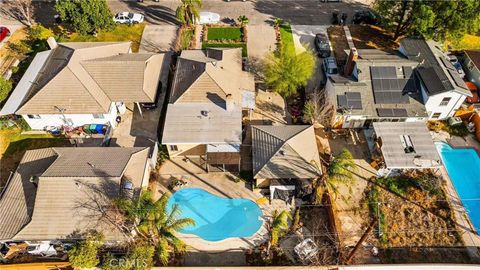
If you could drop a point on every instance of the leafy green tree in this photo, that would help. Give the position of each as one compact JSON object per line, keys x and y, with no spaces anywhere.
{"x":85,"y":16}
{"x":339,"y":171}
{"x":139,"y":257}
{"x":156,"y":224}
{"x":428,"y":18}
{"x":5,"y":88}
{"x":84,"y":254}
{"x":279,"y":226}
{"x":40,"y":32}
{"x":285,"y":70}
{"x":188,"y":11}
{"x":243,"y":20}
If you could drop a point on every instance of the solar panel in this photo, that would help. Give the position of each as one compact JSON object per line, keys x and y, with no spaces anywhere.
{"x":385,"y":112}
{"x":458,"y":81}
{"x":400,"y":113}
{"x":353,"y":95}
{"x":342,"y":101}
{"x":383,"y":72}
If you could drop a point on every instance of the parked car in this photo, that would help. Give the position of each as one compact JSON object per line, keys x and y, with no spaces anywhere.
{"x":322,"y":45}
{"x":330,"y":66}
{"x":454,"y":60}
{"x":4,"y":32}
{"x":366,"y":17}
{"x":128,"y":17}
{"x":475,"y":98}
{"x":207,"y":17}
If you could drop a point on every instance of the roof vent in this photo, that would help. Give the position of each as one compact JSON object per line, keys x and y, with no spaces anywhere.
{"x":204,"y":113}
{"x":78,"y":185}
{"x":281,"y":152}
{"x":91,"y":165}
{"x":34,"y":180}
{"x":407,"y":144}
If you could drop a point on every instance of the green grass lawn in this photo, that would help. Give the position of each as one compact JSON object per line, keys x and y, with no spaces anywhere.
{"x":286,"y":36}
{"x":227,"y":45}
{"x":13,"y":146}
{"x":224,"y":33}
{"x":121,"y":32}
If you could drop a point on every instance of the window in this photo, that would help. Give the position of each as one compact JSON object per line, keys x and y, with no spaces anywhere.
{"x":33,"y":116}
{"x":98,"y":116}
{"x":445,"y":101}
{"x":173,"y":148}
{"x":436,"y":115}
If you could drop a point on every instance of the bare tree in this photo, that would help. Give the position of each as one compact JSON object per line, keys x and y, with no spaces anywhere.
{"x":21,"y":10}
{"x":318,"y":109}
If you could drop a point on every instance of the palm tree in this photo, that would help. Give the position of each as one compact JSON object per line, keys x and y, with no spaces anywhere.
{"x":279,"y":226}
{"x":243,"y":20}
{"x":156,"y":224}
{"x":189,"y":11}
{"x":339,"y":171}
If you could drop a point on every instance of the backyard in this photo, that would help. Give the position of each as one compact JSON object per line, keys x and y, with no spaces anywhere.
{"x":13,"y":146}
{"x":225,"y":37}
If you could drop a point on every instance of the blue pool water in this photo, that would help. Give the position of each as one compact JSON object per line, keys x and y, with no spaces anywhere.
{"x":463,"y":167}
{"x":216,"y":218}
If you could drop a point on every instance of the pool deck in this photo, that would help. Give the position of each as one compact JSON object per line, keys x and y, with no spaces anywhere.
{"x":220,"y":184}
{"x":465,"y":228}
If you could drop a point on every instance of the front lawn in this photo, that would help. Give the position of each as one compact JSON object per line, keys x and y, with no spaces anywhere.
{"x":225,"y":33}
{"x":225,"y":37}
{"x":286,"y":36}
{"x":121,"y":32}
{"x":227,"y":45}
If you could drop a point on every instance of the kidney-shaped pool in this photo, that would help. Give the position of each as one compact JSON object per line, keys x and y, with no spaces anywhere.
{"x":216,"y":218}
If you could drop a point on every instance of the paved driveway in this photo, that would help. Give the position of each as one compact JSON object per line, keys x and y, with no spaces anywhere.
{"x":303,"y":35}
{"x":158,"y":38}
{"x":261,"y":40}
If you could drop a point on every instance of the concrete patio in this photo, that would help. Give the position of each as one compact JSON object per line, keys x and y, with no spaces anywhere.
{"x":223,"y":185}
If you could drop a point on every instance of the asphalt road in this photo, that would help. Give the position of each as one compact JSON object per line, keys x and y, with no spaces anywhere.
{"x":300,"y":12}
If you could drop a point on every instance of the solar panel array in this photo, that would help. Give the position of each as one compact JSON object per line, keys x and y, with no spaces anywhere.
{"x":388,"y":88}
{"x":383,"y":112}
{"x":351,"y":100}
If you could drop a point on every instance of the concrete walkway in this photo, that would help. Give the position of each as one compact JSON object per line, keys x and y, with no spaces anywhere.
{"x":158,"y":38}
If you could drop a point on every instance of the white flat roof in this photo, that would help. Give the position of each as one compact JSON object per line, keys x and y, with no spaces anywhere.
{"x":20,"y":92}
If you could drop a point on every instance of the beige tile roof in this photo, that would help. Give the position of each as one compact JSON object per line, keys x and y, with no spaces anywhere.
{"x":18,"y":198}
{"x":86,"y":77}
{"x":203,"y":79}
{"x":70,"y":182}
{"x":283,"y":152}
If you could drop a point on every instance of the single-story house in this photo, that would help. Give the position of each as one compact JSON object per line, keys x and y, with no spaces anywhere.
{"x":284,"y":156}
{"x":55,"y":193}
{"x":210,"y":93}
{"x":79,"y":83}
{"x":405,"y":145}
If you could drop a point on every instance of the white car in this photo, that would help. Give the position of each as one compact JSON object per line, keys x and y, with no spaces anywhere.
{"x":207,"y":17}
{"x":128,"y":17}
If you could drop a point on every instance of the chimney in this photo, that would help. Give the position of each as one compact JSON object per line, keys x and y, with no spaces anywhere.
{"x":52,"y":43}
{"x":229,"y":102}
{"x":352,"y":57}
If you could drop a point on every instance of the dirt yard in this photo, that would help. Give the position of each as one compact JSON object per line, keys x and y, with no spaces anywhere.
{"x":414,"y":219}
{"x":364,"y":37}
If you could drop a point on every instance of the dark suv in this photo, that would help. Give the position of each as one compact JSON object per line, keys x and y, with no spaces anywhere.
{"x":322,"y":45}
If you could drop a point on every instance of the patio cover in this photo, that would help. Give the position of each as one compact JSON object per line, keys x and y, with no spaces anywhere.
{"x":396,"y":136}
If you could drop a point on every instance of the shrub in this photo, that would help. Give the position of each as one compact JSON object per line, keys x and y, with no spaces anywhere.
{"x":5,"y":88}
{"x":39,"y":32}
{"x":84,"y":254}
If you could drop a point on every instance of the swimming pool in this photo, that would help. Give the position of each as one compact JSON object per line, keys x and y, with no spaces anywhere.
{"x":463,"y":167}
{"x":216,"y":218}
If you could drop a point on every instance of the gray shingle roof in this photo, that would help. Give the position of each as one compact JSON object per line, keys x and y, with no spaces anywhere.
{"x":282,"y":152}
